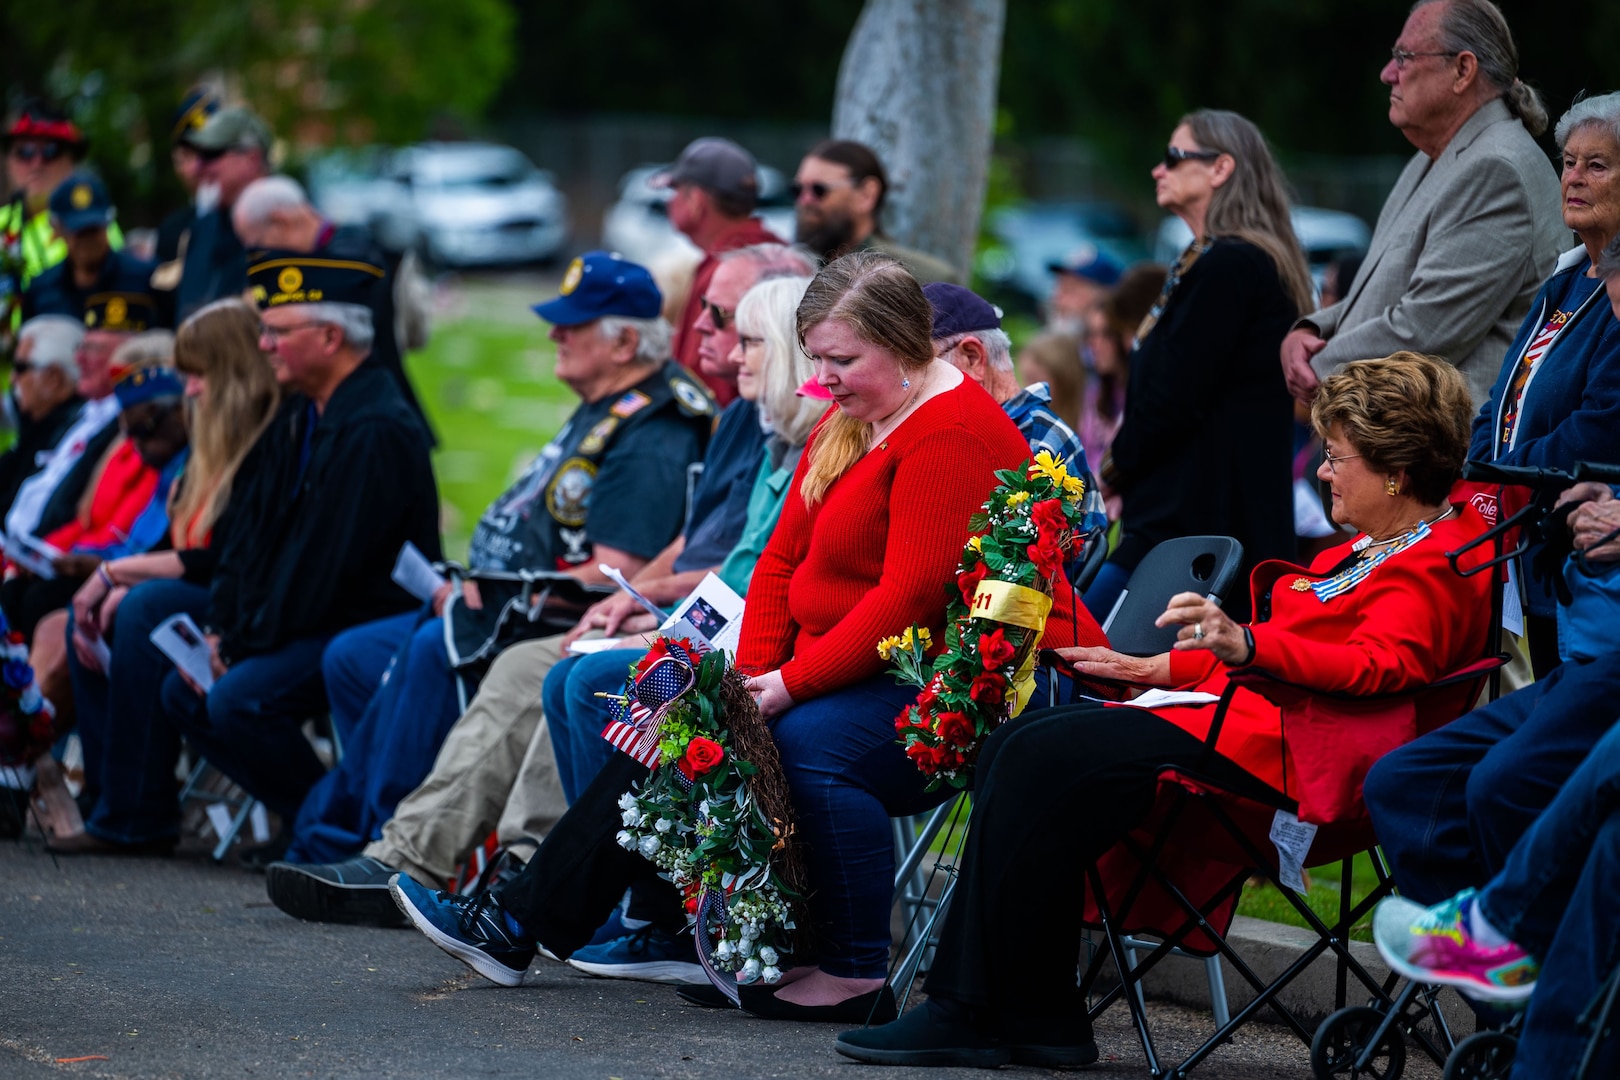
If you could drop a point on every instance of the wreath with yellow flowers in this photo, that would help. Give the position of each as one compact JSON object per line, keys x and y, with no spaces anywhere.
{"x":1024,"y":533}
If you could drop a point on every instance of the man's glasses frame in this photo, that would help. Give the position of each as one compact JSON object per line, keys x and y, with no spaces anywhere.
{"x":817,"y":189}
{"x":1402,"y":57}
{"x":717,"y":314}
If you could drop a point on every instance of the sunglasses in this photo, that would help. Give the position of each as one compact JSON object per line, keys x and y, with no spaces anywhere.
{"x":817,"y":190}
{"x":1175,"y":155}
{"x":28,"y":153}
{"x":19,"y":368}
{"x":145,"y":429}
{"x":207,"y":155}
{"x":718,"y":314}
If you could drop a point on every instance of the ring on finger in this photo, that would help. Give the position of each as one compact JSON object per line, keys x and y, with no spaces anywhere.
{"x":1198,"y":631}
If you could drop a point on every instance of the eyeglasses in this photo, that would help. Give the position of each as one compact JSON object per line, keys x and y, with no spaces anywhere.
{"x":1333,"y":459}
{"x":28,"y":153}
{"x":273,"y":334}
{"x":1175,"y":155}
{"x":720,"y":316}
{"x":817,"y":190}
{"x":1402,"y":57}
{"x":19,"y":368}
{"x":749,"y":342}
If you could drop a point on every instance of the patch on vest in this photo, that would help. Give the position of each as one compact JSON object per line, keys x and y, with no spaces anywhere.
{"x":593,"y":442}
{"x":568,"y":496}
{"x":630,"y":404}
{"x":692,"y":400}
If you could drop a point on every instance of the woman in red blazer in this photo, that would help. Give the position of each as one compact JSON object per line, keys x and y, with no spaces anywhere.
{"x":1057,"y":788}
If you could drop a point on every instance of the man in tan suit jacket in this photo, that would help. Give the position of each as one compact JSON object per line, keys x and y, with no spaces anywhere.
{"x":1473,"y":226}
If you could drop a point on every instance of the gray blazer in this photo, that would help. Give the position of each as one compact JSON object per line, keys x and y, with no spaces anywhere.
{"x":1462,"y":245}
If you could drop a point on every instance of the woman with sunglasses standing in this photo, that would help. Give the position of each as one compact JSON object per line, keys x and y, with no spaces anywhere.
{"x":1206,"y":443}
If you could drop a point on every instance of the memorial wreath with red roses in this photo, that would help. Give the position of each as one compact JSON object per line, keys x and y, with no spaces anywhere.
{"x":1025,"y":532}
{"x":714,"y":816}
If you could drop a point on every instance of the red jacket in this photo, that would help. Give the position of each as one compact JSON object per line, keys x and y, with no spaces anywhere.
{"x":748,"y":232}
{"x":879,"y":552}
{"x":123,"y":488}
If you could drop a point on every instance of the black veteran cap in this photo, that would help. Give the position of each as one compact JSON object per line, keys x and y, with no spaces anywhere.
{"x":120,"y":312}
{"x":279,"y":278}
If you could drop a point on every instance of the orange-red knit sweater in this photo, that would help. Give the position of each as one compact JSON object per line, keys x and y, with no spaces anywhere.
{"x":879,"y":552}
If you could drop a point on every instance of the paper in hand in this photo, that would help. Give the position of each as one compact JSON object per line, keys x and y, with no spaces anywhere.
{"x":180,"y":639}
{"x":414,"y":574}
{"x":35,"y":556}
{"x":710,"y":615}
{"x":622,"y":582}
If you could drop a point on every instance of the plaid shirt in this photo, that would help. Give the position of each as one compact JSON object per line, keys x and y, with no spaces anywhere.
{"x":1031,"y":410}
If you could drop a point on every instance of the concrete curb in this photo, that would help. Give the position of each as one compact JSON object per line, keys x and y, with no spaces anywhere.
{"x":1269,"y":948}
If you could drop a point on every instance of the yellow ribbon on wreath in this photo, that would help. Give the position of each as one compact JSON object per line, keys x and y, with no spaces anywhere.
{"x":1015,"y":605}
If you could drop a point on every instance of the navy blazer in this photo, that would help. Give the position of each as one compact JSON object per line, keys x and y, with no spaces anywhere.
{"x":1571,"y":403}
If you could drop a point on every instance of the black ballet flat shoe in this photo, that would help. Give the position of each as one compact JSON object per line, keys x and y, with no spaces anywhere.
{"x":704,"y":995}
{"x":922,"y":1038}
{"x":874,"y":1007}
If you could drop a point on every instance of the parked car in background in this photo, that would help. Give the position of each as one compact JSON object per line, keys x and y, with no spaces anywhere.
{"x":1324,"y":234}
{"x":637,"y":224}
{"x":455,"y":204}
{"x":1024,"y":239}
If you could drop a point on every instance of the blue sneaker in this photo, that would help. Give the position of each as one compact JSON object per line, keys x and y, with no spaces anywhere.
{"x":611,"y":930}
{"x":649,"y":954}
{"x":470,"y":928}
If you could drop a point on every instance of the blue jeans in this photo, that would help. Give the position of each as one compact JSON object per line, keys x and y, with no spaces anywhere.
{"x":575,"y":716}
{"x":130,"y":744}
{"x":250,"y":725}
{"x":354,"y":664}
{"x":1555,"y":897}
{"x":1448,"y":807}
{"x":392,"y":745}
{"x":848,"y":776}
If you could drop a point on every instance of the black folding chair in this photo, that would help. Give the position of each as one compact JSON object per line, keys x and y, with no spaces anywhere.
{"x":925,"y":879}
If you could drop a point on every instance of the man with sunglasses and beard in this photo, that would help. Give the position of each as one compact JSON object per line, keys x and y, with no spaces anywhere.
{"x":714,"y":185}
{"x":233,"y":150}
{"x":837,"y":201}
{"x":42,"y":147}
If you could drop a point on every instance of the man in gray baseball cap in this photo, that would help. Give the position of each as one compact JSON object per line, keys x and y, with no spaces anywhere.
{"x":233,"y":149}
{"x":715,"y":185}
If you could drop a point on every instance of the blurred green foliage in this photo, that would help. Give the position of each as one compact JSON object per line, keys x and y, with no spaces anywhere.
{"x":318,"y":70}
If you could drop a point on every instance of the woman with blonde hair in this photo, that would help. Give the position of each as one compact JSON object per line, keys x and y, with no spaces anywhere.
{"x":1207,"y":437}
{"x":129,"y":746}
{"x":870,"y":535}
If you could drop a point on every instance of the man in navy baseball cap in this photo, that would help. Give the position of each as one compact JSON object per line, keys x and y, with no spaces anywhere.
{"x":602,"y":283}
{"x":1084,"y":278}
{"x":82,"y":213}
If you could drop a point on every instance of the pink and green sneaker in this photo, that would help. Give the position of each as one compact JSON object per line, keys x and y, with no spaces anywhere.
{"x":1434,"y":945}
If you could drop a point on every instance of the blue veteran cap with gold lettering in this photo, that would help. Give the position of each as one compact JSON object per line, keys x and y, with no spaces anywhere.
{"x":81,"y":202}
{"x":602,"y":283}
{"x":279,"y":278}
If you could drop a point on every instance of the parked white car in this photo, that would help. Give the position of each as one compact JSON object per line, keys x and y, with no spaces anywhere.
{"x":637,"y":225}
{"x":457,"y":204}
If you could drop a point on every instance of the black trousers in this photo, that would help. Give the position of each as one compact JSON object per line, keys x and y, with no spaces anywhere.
{"x":1055,"y":789}
{"x":580,"y":872}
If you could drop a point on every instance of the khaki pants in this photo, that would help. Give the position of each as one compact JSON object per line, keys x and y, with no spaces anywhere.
{"x":494,"y":767}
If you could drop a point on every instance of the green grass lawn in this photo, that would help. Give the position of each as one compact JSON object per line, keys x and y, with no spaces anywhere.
{"x":487,"y":383}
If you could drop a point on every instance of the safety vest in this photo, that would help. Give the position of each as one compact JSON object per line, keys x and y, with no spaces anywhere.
{"x":28,"y":247}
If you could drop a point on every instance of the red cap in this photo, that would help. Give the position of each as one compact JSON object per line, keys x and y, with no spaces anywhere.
{"x":29,"y":126}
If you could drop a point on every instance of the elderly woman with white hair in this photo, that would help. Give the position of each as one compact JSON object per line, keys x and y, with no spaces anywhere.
{"x":44,"y":395}
{"x":1559,"y":388}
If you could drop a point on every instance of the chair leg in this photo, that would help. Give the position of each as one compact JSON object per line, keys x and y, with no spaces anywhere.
{"x":1217,"y":991}
{"x":237,"y":822}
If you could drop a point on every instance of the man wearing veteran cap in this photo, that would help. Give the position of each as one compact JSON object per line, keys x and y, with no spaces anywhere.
{"x":610,"y":488}
{"x":337,"y":484}
{"x":233,"y":150}
{"x":715,"y":186}
{"x":967,"y":332}
{"x":195,"y":110}
{"x":81,"y":212}
{"x":42,"y":147}
{"x":50,"y":498}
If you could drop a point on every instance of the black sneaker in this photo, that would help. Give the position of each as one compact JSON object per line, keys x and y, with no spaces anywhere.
{"x":470,"y":928}
{"x":354,"y":891}
{"x":921,"y":1038}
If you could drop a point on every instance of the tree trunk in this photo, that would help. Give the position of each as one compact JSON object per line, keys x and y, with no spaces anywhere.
{"x":918,"y":85}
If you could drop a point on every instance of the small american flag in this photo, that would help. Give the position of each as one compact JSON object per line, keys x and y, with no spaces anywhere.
{"x":635,"y":719}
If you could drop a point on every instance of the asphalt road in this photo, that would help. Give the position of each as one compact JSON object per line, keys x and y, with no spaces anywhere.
{"x":181,"y":968}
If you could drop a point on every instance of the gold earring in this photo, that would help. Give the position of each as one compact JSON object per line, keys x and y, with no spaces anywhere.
{"x":1392,"y":486}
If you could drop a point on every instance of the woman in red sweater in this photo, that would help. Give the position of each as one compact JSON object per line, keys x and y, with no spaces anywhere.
{"x":867,"y":545}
